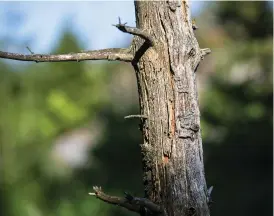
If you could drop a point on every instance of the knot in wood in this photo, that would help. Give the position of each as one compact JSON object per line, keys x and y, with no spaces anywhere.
{"x":192,"y":52}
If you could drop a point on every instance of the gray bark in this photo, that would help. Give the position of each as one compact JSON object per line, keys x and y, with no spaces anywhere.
{"x":165,"y":55}
{"x":172,"y":145}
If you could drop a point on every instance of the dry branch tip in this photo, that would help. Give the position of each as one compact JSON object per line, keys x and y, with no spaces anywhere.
{"x":30,"y":50}
{"x":209,"y":198}
{"x":92,"y":194}
{"x":194,"y":25}
{"x":134,"y":31}
{"x":136,"y":116}
{"x":129,"y":202}
{"x":205,"y":52}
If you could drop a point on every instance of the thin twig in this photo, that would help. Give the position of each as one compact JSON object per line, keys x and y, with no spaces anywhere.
{"x":194,"y":25}
{"x":205,"y":52}
{"x":29,"y":50}
{"x":135,"y":31}
{"x":120,"y":201}
{"x":129,"y":202}
{"x":136,"y":116}
{"x":209,"y":198}
{"x":112,"y":54}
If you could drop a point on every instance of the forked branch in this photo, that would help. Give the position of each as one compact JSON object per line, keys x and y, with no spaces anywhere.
{"x":129,"y":202}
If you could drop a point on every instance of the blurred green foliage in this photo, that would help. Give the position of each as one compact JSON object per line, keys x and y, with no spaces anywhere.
{"x":238,"y":110}
{"x":42,"y":103}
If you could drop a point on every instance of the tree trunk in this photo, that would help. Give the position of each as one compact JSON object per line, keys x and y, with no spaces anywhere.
{"x":165,"y":55}
{"x":172,"y":145}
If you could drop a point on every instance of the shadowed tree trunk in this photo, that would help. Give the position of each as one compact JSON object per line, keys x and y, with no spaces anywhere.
{"x":165,"y":55}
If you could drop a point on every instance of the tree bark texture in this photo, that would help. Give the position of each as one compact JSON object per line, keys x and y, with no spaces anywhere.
{"x":172,"y":145}
{"x":165,"y":55}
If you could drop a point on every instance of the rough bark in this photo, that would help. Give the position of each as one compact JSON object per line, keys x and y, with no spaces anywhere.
{"x":165,"y":55}
{"x":172,"y":145}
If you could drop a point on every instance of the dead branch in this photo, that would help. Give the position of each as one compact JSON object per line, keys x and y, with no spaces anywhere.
{"x":129,"y":202}
{"x":112,"y":54}
{"x":135,"y":31}
{"x":119,"y":54}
